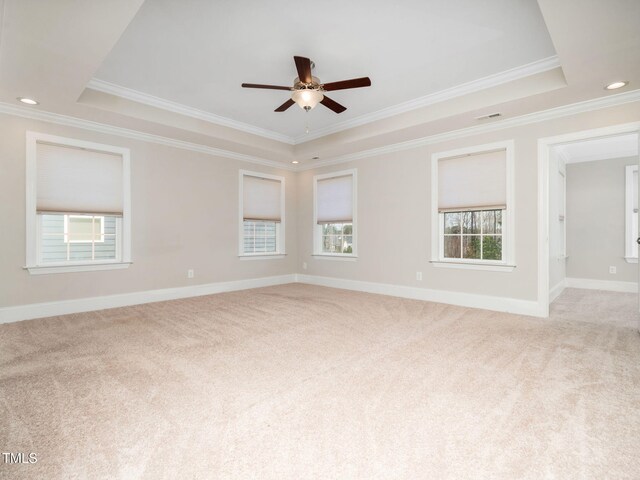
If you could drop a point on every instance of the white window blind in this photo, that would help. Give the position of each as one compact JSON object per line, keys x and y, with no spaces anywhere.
{"x":261,"y":199}
{"x":334,"y":200}
{"x":74,"y":180}
{"x":473,"y":182}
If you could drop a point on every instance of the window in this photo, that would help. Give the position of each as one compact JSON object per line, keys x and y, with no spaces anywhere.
{"x":66,"y":238}
{"x":631,"y":213}
{"x":334,"y":221}
{"x":473,"y":235}
{"x":261,"y":214}
{"x":77,"y":206}
{"x":472,"y":206}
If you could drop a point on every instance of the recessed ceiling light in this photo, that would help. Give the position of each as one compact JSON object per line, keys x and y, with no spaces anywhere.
{"x":28,"y":101}
{"x":615,"y":85}
{"x":295,"y":162}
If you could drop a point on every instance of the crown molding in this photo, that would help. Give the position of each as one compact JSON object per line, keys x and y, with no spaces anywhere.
{"x":494,"y":80}
{"x":35,"y":113}
{"x":535,"y":117}
{"x":500,"y":78}
{"x":136,"y":96}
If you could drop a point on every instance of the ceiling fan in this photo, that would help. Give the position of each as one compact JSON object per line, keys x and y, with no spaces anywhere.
{"x":308,"y":91}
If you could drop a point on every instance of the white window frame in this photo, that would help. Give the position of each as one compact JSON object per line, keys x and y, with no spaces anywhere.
{"x":507,"y":263}
{"x":631,"y":216}
{"x":280,"y":227}
{"x":33,"y":263}
{"x":66,"y":229}
{"x":317,"y":229}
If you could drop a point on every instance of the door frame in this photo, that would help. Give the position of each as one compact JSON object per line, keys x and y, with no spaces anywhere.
{"x":544,"y":148}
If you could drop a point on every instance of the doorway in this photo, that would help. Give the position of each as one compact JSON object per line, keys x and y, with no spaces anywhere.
{"x":590,"y":226}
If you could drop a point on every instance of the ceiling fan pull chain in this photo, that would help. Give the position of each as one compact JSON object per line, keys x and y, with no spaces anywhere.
{"x":307,"y":115}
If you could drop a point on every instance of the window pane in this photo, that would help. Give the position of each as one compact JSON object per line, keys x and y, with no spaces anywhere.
{"x":259,"y":228}
{"x":347,"y":245}
{"x":80,"y":251}
{"x":471,"y":222}
{"x":55,"y":246}
{"x":337,"y":238}
{"x":332,"y":243}
{"x":452,"y":246}
{"x":492,"y":248}
{"x":492,"y":221}
{"x":260,"y":237}
{"x":452,"y":223}
{"x":84,"y":229}
{"x":498,"y":221}
{"x":471,"y":246}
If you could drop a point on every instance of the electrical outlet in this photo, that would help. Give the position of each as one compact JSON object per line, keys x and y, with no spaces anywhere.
{"x":304,"y":265}
{"x":190,"y":273}
{"x":612,"y":270}
{"x":419,"y":276}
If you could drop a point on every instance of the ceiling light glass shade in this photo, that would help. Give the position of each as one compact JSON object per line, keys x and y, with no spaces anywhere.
{"x":307,"y":98}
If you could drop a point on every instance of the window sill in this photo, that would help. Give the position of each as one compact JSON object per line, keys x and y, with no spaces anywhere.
{"x":339,"y":256}
{"x":262,"y":256}
{"x":85,"y":267}
{"x":489,"y":267}
{"x":631,"y":259}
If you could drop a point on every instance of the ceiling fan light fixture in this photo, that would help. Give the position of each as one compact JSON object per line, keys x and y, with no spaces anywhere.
{"x":307,"y":98}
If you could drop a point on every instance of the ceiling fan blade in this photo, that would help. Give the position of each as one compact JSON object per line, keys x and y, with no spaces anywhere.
{"x":332,"y":105}
{"x":284,"y":106}
{"x":344,"y":84}
{"x":303,"y":65}
{"x":269,"y":87}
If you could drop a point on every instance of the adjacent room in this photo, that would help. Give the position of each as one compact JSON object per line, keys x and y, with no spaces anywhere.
{"x":593,"y":232}
{"x":352,"y":240}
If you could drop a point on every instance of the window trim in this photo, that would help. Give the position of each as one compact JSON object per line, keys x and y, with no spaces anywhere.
{"x":437,"y":225}
{"x":629,"y":238}
{"x":317,"y":229}
{"x":280,"y":229}
{"x":32,"y":240}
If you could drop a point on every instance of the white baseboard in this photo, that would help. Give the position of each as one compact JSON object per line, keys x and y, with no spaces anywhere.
{"x":611,"y":285}
{"x":63,"y":307}
{"x":487,"y":302}
{"x":557,"y":290}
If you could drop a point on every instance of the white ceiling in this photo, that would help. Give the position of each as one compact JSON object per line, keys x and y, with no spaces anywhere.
{"x":196,"y":53}
{"x":605,"y":148}
{"x":188,"y":51}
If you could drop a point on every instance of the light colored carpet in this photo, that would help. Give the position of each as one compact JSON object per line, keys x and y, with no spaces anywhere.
{"x":303,"y":382}
{"x":596,"y":306}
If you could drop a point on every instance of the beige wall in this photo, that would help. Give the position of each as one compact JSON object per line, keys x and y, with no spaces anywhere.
{"x":184,"y":212}
{"x":185,"y":215}
{"x":394,"y":208}
{"x":595,"y":220}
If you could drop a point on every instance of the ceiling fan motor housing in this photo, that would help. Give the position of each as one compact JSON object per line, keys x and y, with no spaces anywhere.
{"x":314,"y":85}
